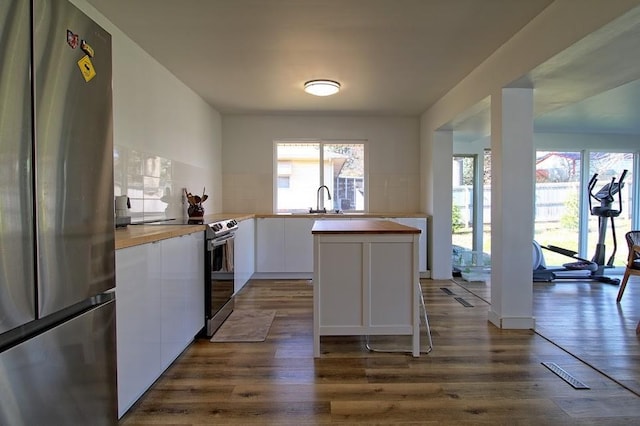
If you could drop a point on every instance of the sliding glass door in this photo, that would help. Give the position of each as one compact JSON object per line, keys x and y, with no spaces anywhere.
{"x":557,"y":203}
{"x":563,"y":217}
{"x":471,"y":210}
{"x":463,"y":209}
{"x":608,"y":166}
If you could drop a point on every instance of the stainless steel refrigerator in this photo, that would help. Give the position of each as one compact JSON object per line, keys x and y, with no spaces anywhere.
{"x":57,"y":259}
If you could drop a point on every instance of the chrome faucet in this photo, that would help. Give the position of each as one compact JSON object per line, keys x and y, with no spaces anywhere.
{"x":324,"y":210}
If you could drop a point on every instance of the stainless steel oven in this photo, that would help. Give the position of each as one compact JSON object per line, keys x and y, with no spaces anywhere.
{"x":219,"y":274}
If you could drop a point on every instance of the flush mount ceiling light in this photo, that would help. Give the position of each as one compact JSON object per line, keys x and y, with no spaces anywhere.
{"x":322,"y":87}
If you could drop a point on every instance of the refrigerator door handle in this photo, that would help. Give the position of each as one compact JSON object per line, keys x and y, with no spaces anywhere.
{"x":37,"y":327}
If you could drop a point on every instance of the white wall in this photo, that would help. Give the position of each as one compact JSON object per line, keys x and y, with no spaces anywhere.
{"x":393,"y":157}
{"x":157,"y":115}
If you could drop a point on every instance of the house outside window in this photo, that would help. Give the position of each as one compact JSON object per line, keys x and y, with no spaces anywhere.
{"x":303,"y":166}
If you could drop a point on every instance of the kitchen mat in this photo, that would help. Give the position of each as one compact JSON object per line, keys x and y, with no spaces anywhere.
{"x":245,"y":326}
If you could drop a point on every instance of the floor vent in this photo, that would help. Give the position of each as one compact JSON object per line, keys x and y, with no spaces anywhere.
{"x":577,"y":384}
{"x":463,"y":302}
{"x":446,"y":290}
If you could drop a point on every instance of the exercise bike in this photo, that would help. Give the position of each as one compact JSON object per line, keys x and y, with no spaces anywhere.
{"x":591,"y":269}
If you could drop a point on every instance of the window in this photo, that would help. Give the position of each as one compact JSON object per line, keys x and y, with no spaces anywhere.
{"x":608,"y":166}
{"x":562,"y":215}
{"x":462,"y":221}
{"x":284,"y":174}
{"x":284,"y":182}
{"x":303,"y":167}
{"x":557,"y":203}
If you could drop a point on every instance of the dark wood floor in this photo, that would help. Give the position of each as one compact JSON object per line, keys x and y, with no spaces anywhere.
{"x":583,"y":318}
{"x":476,"y":373}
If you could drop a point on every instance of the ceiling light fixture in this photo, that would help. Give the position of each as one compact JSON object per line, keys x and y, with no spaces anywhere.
{"x":322,"y":87}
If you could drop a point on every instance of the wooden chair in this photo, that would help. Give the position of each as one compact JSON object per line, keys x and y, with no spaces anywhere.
{"x":633,"y":261}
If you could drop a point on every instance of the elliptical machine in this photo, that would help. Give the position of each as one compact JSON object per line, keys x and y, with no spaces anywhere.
{"x":596,"y":266}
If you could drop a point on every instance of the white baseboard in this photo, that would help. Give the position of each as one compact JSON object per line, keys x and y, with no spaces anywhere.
{"x":512,"y":323}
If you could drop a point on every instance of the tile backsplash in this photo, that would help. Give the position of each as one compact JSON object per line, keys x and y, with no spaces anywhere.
{"x":154,"y":184}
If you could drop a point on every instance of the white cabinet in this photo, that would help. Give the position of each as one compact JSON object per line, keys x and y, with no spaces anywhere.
{"x":159,"y":310}
{"x":421,"y":224}
{"x":270,"y":245}
{"x":137,"y":319}
{"x":244,"y":254}
{"x":194,"y":290}
{"x":182,"y":292}
{"x":284,"y":246}
{"x":298,"y":245}
{"x":365,"y":282}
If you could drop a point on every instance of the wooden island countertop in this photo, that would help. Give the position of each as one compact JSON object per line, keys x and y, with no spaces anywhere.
{"x":361,"y":226}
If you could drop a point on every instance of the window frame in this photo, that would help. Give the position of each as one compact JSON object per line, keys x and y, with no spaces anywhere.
{"x":321,"y":175}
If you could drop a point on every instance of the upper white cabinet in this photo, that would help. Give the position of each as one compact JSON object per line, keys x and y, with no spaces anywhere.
{"x":244,"y":253}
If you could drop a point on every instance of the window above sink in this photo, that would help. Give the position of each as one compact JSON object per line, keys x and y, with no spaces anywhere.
{"x":303,"y":167}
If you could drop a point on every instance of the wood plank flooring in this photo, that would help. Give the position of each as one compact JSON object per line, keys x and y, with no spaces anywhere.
{"x":476,"y":373}
{"x":583,"y":318}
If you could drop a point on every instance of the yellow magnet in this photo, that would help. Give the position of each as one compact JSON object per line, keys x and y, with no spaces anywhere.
{"x":86,"y":67}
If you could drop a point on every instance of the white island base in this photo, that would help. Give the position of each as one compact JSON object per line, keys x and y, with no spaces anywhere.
{"x":366,"y":280}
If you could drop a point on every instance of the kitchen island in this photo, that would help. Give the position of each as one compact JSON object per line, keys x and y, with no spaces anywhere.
{"x":366,"y":281}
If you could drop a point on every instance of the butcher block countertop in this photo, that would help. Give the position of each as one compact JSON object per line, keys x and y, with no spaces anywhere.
{"x":134,"y":235}
{"x":359,"y":226}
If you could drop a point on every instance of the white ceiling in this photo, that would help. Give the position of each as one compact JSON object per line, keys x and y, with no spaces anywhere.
{"x":392,"y":57}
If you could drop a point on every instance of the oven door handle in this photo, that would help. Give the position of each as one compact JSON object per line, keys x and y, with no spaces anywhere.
{"x":219,"y":242}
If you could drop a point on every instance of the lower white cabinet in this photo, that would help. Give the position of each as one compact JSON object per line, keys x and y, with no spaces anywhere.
{"x":365,"y":283}
{"x":137,"y":321}
{"x":160,"y":308}
{"x":284,"y":245}
{"x":298,"y":245}
{"x":421,"y":224}
{"x":244,"y":254}
{"x":270,"y":245}
{"x":182,"y":294}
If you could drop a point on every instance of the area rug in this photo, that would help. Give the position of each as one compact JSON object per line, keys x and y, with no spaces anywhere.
{"x":245,"y":326}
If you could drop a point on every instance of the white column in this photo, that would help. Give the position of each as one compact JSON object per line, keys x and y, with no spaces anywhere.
{"x":441,"y":163}
{"x":512,"y":209}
